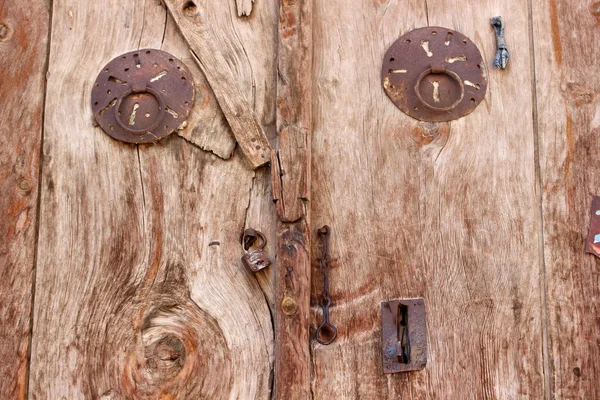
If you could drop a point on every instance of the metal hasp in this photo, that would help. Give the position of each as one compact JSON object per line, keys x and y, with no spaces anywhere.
{"x":502,"y":55}
{"x":142,"y":96}
{"x":593,"y":241}
{"x":404,"y":335}
{"x":326,"y":331}
{"x":434,"y":74}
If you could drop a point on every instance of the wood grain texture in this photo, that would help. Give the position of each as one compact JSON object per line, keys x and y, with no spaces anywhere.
{"x":566,"y":36}
{"x":218,"y":51}
{"x":290,"y":169}
{"x":140,"y":291}
{"x":22,"y":81}
{"x":443,"y":211}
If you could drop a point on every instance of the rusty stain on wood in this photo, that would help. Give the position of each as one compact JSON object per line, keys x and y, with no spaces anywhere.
{"x":23,"y":60}
{"x":555,"y":31}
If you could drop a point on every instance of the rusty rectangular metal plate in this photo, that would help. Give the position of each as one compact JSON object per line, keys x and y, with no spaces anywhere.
{"x":593,"y":241}
{"x":404,"y":335}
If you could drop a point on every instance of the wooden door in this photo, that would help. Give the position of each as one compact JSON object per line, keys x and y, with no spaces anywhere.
{"x":120,"y":263}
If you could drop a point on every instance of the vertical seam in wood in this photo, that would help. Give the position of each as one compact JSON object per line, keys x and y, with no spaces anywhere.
{"x":162,"y":40}
{"x":137,"y":147}
{"x":308,"y":203}
{"x":547,"y":381}
{"x":38,"y":210}
{"x":143,"y":25}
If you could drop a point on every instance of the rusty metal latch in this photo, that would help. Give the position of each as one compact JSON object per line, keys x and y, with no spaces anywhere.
{"x":434,"y":74}
{"x":592,"y":244}
{"x":257,"y":259}
{"x":404,"y":335}
{"x":142,"y":96}
{"x":502,"y":55}
{"x":326,"y":331}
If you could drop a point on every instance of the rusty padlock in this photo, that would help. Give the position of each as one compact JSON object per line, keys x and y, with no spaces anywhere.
{"x":257,"y":259}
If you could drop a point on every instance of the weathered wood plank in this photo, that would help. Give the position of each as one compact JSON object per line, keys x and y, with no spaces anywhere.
{"x":219,"y":53}
{"x":140,"y":291}
{"x":444,"y":211}
{"x":566,"y":39}
{"x":23,"y":59}
{"x":290,"y":169}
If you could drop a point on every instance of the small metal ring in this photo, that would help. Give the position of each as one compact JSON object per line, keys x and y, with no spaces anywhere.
{"x":159,"y":118}
{"x":331,"y":327}
{"x":256,"y":234}
{"x":442,"y":70}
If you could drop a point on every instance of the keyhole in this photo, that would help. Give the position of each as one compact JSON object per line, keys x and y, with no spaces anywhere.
{"x":403,"y":341}
{"x":436,"y":91}
{"x":133,"y":113}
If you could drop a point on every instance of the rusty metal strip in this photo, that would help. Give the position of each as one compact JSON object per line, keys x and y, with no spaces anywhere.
{"x":592,"y":245}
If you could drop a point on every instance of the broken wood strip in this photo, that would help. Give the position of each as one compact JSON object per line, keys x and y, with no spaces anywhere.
{"x":293,"y":110}
{"x":206,"y":126}
{"x":566,"y":37}
{"x":291,"y":177}
{"x":208,"y":43}
{"x":23,"y":60}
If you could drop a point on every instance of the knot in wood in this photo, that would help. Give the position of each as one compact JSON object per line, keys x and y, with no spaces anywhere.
{"x":165,"y":358}
{"x":5,"y":32}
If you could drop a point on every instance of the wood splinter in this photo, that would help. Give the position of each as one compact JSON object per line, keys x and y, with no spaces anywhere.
{"x":207,"y":50}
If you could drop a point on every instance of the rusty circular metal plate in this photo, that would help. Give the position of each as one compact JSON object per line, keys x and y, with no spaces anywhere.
{"x":142,"y":96}
{"x":434,"y":74}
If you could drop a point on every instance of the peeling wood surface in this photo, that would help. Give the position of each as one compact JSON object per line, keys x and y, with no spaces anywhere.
{"x":22,"y":81}
{"x":217,"y":48}
{"x":140,"y":292}
{"x":566,"y":36}
{"x":443,"y":211}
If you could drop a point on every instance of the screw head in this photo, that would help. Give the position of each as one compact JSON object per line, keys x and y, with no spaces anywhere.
{"x":5,"y":32}
{"x":288,"y":306}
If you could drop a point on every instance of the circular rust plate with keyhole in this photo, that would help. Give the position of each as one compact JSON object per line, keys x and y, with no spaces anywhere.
{"x":142,"y":96}
{"x":434,"y":74}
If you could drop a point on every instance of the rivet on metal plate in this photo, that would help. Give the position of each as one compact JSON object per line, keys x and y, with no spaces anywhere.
{"x":142,"y":96}
{"x":434,"y":74}
{"x":404,"y":335}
